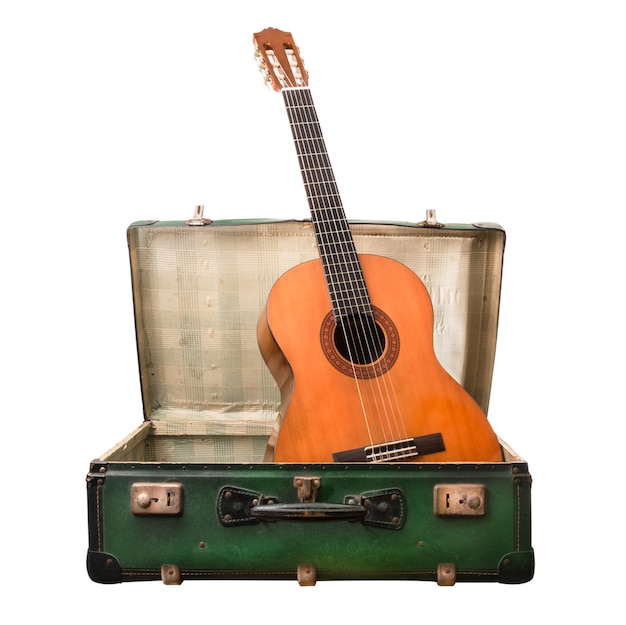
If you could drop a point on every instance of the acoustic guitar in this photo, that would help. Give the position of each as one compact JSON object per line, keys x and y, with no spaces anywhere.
{"x":348,"y":337}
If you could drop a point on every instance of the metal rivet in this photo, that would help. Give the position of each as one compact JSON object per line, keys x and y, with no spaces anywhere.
{"x":474,"y":502}
{"x":143,"y":500}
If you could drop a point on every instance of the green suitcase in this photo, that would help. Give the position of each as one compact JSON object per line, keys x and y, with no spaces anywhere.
{"x":188,"y":495}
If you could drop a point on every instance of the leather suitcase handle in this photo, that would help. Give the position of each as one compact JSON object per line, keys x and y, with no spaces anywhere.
{"x":308,"y":512}
{"x":384,"y":508}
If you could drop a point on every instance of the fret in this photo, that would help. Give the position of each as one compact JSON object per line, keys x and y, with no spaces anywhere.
{"x":329,"y":208}
{"x":347,"y":307}
{"x":306,"y":128}
{"x":331,"y":218}
{"x":313,"y":173}
{"x":326,"y":201}
{"x":319,"y":194}
{"x":357,"y":295}
{"x":354,"y":301}
{"x":336,"y":248}
{"x":334,"y":245}
{"x":348,"y":290}
{"x":329,"y":187}
{"x":327,"y":214}
{"x":317,"y":171}
{"x":311,"y":150}
{"x":314,"y":142}
{"x":359,"y":303}
{"x":301,"y":122}
{"x":312,"y":163}
{"x":345,"y":283}
{"x":330,"y":238}
{"x":344,"y":272}
{"x":321,"y":174}
{"x":296,"y":108}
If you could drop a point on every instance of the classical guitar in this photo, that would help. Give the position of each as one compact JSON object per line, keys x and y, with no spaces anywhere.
{"x":349,"y":337}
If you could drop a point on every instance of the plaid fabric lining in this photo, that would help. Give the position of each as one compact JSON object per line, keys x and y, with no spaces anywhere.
{"x":198,"y":294}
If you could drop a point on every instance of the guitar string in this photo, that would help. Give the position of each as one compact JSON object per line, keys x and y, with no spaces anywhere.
{"x":343,"y":267}
{"x":307,"y":166}
{"x":284,"y":79}
{"x":357,"y":320}
{"x":325,"y":188}
{"x":373,"y":346}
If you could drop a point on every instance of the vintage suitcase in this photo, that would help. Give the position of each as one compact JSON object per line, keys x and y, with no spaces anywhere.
{"x":187,"y":495}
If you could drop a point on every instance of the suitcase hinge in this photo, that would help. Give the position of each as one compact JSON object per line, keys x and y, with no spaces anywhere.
{"x":431,"y":220}
{"x":97,"y":473}
{"x":198,"y":219}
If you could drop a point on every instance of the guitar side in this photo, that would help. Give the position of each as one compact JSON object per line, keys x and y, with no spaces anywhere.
{"x":322,"y":409}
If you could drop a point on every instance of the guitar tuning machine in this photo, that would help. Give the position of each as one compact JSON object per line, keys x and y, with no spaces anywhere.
{"x":198,"y":219}
{"x":262,"y":66}
{"x":260,"y":60}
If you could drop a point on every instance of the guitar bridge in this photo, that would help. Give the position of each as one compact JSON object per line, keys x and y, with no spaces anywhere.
{"x":402,"y":449}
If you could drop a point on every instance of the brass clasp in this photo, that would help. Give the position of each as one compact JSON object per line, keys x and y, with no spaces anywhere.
{"x":307,"y":488}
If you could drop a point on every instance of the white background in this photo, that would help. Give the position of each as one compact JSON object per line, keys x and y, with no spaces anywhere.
{"x":112,"y":112}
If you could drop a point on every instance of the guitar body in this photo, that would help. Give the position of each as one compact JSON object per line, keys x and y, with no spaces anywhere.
{"x":330,"y":404}
{"x":349,"y":338}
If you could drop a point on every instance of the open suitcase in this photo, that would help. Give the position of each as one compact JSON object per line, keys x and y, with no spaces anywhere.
{"x":188,"y":495}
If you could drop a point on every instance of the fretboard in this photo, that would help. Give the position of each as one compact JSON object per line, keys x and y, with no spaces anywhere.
{"x":346,"y":286}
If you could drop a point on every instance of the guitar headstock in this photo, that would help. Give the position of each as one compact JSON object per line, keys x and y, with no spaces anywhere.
{"x":279,"y":59}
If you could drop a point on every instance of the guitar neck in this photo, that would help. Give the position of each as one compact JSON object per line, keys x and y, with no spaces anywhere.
{"x":348,"y":293}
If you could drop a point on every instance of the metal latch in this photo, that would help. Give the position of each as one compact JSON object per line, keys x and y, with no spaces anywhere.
{"x":156,"y":498}
{"x":460,"y":499}
{"x":198,"y":219}
{"x":307,"y":488}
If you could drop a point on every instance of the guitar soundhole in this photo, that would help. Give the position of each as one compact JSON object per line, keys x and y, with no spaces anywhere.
{"x":359,"y":339}
{"x":360,"y":345}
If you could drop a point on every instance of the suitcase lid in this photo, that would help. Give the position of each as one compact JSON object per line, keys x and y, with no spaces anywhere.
{"x":199,"y":287}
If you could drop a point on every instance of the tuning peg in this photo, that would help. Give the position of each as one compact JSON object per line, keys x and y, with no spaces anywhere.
{"x":267,"y":79}
{"x":264,"y":71}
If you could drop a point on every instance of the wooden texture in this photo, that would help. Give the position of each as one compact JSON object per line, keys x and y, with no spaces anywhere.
{"x":326,"y":411}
